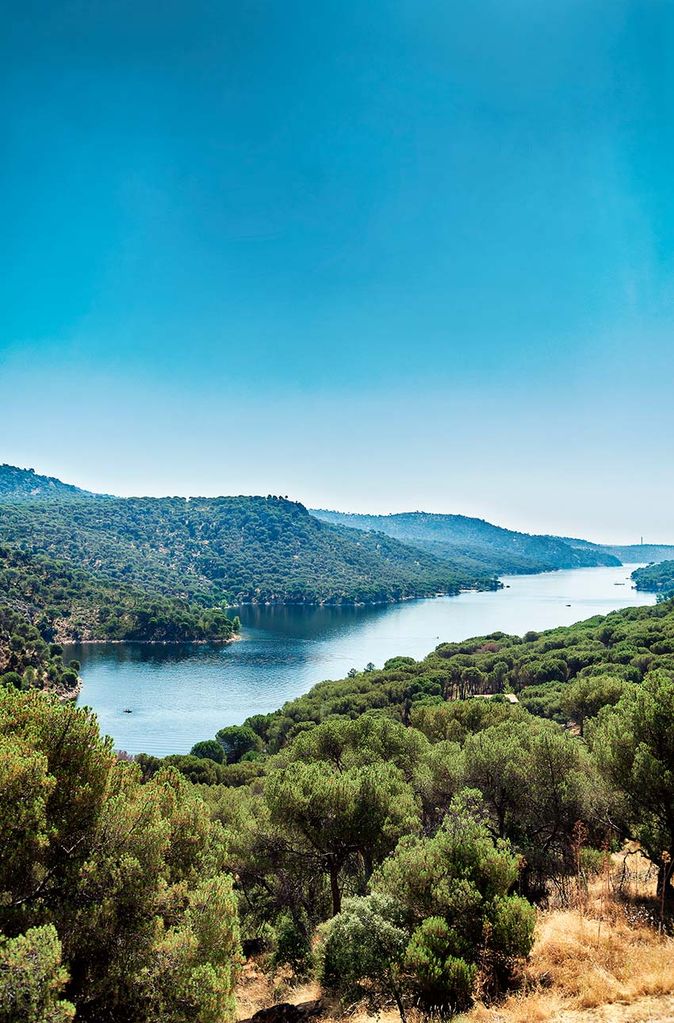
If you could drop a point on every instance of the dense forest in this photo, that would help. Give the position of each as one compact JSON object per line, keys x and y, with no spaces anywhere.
{"x":231,"y":549}
{"x":392,"y":834}
{"x":68,"y":604}
{"x":476,"y":545}
{"x":658,"y":578}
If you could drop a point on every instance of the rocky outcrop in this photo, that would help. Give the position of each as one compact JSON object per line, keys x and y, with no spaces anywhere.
{"x":286,"y":1012}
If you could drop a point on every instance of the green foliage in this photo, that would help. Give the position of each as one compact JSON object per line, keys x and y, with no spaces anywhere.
{"x":26,"y":660}
{"x":453,"y":889}
{"x":658,"y":578}
{"x":633,"y":743}
{"x":444,"y":982}
{"x":362,"y":949}
{"x":200,"y":770}
{"x":585,"y":696}
{"x":538,"y":782}
{"x":209,"y":749}
{"x":237,"y":740}
{"x":130,"y":876}
{"x":32,"y":978}
{"x":292,"y":944}
{"x":341,"y":821}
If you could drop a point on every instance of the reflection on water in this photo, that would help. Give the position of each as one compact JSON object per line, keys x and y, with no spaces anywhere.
{"x":179,"y":693}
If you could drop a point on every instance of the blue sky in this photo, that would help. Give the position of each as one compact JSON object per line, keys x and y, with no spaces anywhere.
{"x":376,"y":256}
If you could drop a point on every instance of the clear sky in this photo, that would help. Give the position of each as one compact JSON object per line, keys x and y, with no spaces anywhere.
{"x":375,"y":255}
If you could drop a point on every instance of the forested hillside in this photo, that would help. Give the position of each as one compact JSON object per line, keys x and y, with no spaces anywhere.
{"x":396,"y":831}
{"x":392,"y":835}
{"x":628,"y":554}
{"x":658,"y":578}
{"x":69,"y":604}
{"x":476,"y":545}
{"x":236,"y":549}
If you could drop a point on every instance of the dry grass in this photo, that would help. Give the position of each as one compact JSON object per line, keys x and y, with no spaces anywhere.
{"x":258,"y":990}
{"x":596,"y":962}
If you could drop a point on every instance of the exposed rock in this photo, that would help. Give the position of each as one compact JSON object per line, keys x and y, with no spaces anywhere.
{"x":286,"y":1012}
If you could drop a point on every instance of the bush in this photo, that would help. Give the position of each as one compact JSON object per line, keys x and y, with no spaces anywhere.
{"x":443,"y":980}
{"x":11,"y":679}
{"x":292,"y":944}
{"x":128,"y":877}
{"x":362,"y":949}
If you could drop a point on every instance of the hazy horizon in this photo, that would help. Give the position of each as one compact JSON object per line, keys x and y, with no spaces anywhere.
{"x":372,"y":256}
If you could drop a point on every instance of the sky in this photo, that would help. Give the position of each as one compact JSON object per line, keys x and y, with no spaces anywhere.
{"x":376,"y":256}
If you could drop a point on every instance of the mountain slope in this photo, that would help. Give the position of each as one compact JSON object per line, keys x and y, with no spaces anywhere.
{"x":238,"y":549}
{"x":22,"y":484}
{"x":473,"y":544}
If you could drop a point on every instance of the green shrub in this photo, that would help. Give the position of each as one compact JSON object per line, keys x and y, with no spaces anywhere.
{"x":443,"y":981}
{"x":292,"y":944}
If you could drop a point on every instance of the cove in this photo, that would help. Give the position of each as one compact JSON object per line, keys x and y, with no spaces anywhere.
{"x":178,"y":694}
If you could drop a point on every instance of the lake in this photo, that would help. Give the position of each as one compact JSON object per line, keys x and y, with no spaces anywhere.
{"x":180,"y":693}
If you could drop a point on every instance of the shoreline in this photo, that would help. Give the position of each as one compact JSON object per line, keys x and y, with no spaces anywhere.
{"x":152,"y":642}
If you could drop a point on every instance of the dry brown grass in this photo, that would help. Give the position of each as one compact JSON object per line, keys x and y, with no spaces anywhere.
{"x":587,"y":965}
{"x":258,"y":990}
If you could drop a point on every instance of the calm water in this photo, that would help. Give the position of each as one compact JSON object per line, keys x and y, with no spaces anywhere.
{"x":179,"y":694}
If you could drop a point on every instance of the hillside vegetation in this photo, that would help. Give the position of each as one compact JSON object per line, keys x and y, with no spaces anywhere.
{"x":476,"y":545}
{"x":561,"y":674}
{"x":69,"y":604}
{"x":385,"y":834}
{"x":235,"y":549}
{"x":27,"y":661}
{"x":658,"y":578}
{"x":367,"y":812}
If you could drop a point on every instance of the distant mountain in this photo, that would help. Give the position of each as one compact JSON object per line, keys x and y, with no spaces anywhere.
{"x":475,"y":545}
{"x":210,"y":550}
{"x":18,"y":484}
{"x":629,"y":554}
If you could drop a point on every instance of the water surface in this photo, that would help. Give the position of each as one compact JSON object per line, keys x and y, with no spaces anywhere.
{"x":178,"y":694}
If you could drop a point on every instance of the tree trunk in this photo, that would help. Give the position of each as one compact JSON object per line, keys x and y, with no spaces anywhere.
{"x":664,"y":890}
{"x":396,"y":995}
{"x":334,"y":888}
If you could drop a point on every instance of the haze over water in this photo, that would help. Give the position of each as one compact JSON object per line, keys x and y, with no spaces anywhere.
{"x":178,"y":694}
